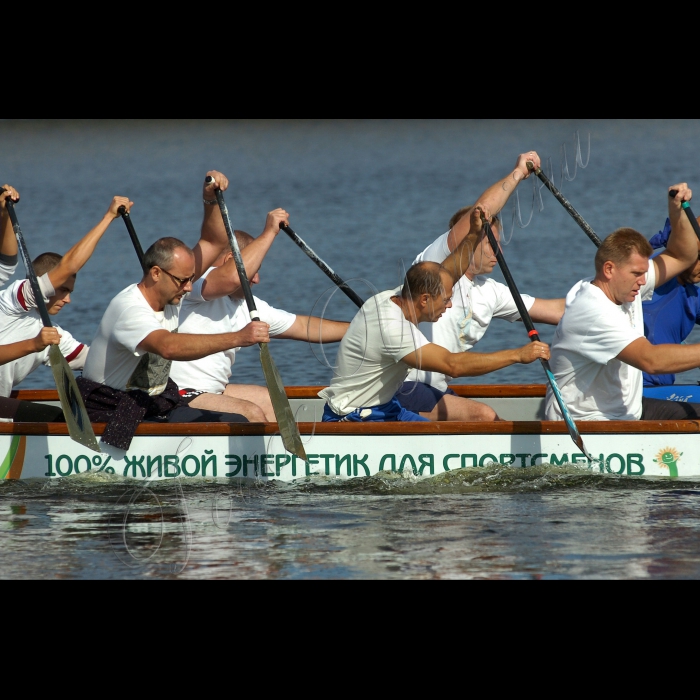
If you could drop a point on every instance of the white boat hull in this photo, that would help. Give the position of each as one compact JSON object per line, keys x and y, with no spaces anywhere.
{"x":343,"y":456}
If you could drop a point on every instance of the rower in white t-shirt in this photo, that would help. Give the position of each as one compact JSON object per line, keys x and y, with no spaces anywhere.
{"x":384,"y":343}
{"x":477,"y":300}
{"x":19,"y":319}
{"x":127,"y":377}
{"x":600,"y":352}
{"x":8,"y":241}
{"x":217,"y":305}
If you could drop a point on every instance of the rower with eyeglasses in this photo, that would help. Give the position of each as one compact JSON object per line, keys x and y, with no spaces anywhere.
{"x":127,"y":377}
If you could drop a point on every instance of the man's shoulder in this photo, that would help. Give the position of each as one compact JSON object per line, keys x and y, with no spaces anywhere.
{"x":438,"y":251}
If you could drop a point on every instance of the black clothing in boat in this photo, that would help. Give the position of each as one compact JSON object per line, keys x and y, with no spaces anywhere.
{"x":124,"y":411}
{"x":654,"y":409}
{"x":29,"y":412}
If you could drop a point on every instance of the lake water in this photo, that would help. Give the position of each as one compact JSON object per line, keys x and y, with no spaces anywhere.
{"x":367,"y":195}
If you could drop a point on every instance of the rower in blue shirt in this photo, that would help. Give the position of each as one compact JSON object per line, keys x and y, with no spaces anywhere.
{"x":674,"y":311}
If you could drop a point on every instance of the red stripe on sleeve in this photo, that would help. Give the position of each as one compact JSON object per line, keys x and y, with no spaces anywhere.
{"x":75,"y":353}
{"x":20,"y":296}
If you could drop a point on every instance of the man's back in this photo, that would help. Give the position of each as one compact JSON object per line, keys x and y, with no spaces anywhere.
{"x":370,"y":369}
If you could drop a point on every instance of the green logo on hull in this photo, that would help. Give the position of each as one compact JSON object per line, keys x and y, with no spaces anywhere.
{"x":668,"y":458}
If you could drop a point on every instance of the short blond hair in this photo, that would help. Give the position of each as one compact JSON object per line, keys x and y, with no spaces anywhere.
{"x":619,"y":247}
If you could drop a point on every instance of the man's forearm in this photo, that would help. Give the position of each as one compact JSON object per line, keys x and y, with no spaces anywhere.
{"x":664,"y":359}
{"x":8,"y":245}
{"x":213,"y":229}
{"x":179,"y":347}
{"x":497,"y":196}
{"x":469,"y":364}
{"x":16,"y":351}
{"x":316,"y":330}
{"x":77,"y":257}
{"x":683,"y":243}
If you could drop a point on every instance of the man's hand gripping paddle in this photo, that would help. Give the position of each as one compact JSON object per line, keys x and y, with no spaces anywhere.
{"x":686,"y":205}
{"x":74,"y":411}
{"x":280,"y":403}
{"x":535,"y":338}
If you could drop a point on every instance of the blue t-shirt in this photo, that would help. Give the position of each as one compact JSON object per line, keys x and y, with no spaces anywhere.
{"x":669,"y":318}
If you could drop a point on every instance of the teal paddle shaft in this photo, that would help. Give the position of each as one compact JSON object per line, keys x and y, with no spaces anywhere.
{"x":535,"y":338}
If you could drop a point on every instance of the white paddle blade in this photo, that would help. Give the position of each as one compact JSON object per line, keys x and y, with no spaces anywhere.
{"x":74,"y":410}
{"x":280,"y":403}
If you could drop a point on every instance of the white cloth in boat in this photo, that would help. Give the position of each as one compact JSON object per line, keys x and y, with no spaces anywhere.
{"x":115,"y":357}
{"x":594,"y":331}
{"x":20,"y":320}
{"x":370,"y":368}
{"x":226,"y":315}
{"x":7,"y":268}
{"x":474,"y":306}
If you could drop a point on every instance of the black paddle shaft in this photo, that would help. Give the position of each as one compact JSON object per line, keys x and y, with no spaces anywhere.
{"x":325,"y":268}
{"x":240,"y":266}
{"x":134,"y":238}
{"x":524,"y":314}
{"x":566,"y":204}
{"x":686,"y":205}
{"x":31,"y":275}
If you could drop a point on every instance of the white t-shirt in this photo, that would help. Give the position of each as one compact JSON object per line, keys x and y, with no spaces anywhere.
{"x":226,"y":315}
{"x":370,"y":369}
{"x":115,"y":358}
{"x":594,"y":331}
{"x":19,"y":320}
{"x":474,"y":305}
{"x":6,"y":271}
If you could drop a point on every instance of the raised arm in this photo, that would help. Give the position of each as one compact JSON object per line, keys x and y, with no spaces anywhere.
{"x":458,"y":263}
{"x":179,"y":347}
{"x":224,"y":281}
{"x":497,"y":196}
{"x":8,"y":241}
{"x":76,"y":258}
{"x":316,"y":330}
{"x":213,"y":240}
{"x":434,"y":358}
{"x":682,"y":249}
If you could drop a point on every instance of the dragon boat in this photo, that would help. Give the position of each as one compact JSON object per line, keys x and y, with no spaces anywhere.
{"x":348,"y":451}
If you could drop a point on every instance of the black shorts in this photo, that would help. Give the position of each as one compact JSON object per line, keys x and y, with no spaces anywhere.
{"x":421,"y":398}
{"x":189,"y":395}
{"x":654,"y":409}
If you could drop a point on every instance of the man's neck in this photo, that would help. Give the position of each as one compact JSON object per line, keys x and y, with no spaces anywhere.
{"x":605,"y":288}
{"x":408,"y":309}
{"x":148,"y":294}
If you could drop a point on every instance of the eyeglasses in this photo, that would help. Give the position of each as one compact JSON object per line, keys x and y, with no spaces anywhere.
{"x":180,"y":282}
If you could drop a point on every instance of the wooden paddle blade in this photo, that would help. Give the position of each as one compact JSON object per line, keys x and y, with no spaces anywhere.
{"x":74,"y":410}
{"x":280,"y":403}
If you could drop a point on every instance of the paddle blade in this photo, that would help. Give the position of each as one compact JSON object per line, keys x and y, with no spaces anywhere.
{"x":280,"y":403}
{"x":74,"y":410}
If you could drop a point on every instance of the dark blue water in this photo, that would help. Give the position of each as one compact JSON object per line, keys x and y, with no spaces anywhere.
{"x":368,"y":195}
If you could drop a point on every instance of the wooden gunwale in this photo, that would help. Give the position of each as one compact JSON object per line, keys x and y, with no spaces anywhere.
{"x":525,"y":391}
{"x":375,"y":429}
